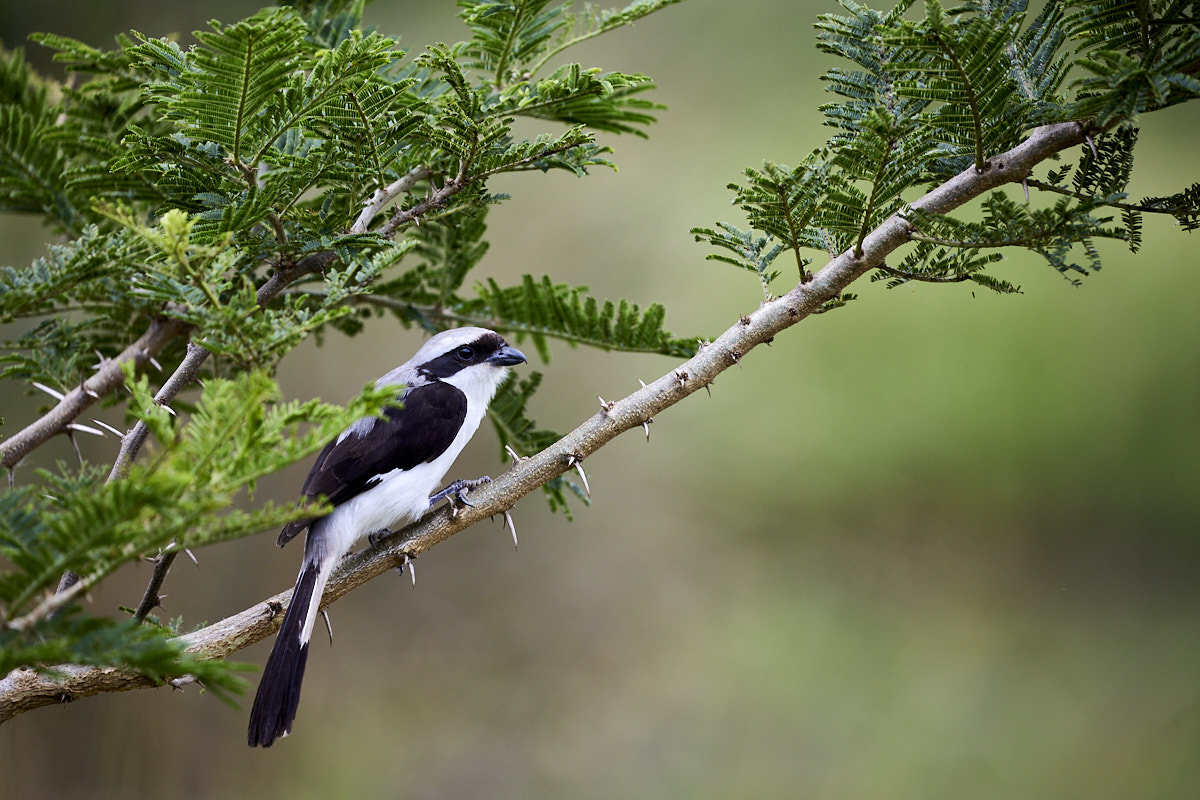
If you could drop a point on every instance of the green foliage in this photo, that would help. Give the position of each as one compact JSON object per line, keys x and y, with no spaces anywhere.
{"x":293,"y":173}
{"x":183,"y":496}
{"x":514,"y":41}
{"x":72,"y":638}
{"x":543,"y":308}
{"x":278,"y":177}
{"x":928,"y":98}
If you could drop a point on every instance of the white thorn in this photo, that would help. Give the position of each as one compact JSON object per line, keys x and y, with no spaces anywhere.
{"x":170,"y":410}
{"x":516,"y":459}
{"x":328,"y":625}
{"x":188,"y":552}
{"x":646,"y":426}
{"x":154,"y":363}
{"x":412,"y":571}
{"x":642,"y":382}
{"x":509,"y":521}
{"x":57,"y":395}
{"x":108,"y":428}
{"x":583,"y":477}
{"x":75,"y":426}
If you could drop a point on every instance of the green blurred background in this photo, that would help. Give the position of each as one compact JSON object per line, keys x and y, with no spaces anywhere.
{"x":940,"y":543}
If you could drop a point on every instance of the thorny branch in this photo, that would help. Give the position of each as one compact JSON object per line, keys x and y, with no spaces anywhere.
{"x":24,"y":690}
{"x":109,"y":375}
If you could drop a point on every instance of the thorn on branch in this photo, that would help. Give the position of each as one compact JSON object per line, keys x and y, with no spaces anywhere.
{"x":75,"y":445}
{"x":508,"y":520}
{"x":407,"y":561}
{"x":605,"y":406}
{"x":328,"y":625}
{"x":75,"y":426}
{"x":575,"y":460}
{"x":57,"y":395}
{"x":109,"y":428}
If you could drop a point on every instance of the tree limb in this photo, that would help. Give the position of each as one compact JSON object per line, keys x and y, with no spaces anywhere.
{"x":24,"y":689}
{"x":109,"y":376}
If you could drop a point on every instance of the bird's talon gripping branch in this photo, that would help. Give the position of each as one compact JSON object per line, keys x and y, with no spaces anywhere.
{"x":456,"y":494}
{"x":374,"y":538}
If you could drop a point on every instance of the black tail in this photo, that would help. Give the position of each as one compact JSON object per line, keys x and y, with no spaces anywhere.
{"x":279,"y":690}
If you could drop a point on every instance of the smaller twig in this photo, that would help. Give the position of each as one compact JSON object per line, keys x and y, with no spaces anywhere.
{"x":387,"y":194}
{"x":1145,"y":209}
{"x":151,"y":599}
{"x":1025,"y":241}
{"x":435,"y":200}
{"x":184,"y":375}
{"x":912,"y":276}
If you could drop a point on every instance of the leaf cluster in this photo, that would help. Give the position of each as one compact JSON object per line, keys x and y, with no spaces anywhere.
{"x":274,"y":178}
{"x":926,"y":98}
{"x":193,"y":491}
{"x":295,"y":150}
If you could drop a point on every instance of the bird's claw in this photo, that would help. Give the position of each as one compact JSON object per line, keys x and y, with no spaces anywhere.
{"x":456,"y":493}
{"x":375,"y":537}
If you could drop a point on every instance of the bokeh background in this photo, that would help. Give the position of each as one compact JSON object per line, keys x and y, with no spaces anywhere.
{"x":937,"y":544}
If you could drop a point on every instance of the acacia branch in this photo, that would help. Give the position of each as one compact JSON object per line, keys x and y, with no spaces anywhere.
{"x":108,"y":377}
{"x":24,"y":689}
{"x":1144,"y":208}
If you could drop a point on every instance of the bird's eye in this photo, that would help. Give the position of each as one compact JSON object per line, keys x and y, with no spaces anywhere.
{"x":465,"y":353}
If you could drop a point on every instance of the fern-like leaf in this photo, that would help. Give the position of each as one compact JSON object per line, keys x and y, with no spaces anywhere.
{"x":541,"y":309}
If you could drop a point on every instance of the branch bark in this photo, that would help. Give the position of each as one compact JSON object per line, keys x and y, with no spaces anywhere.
{"x":108,"y":377}
{"x":23,"y":690}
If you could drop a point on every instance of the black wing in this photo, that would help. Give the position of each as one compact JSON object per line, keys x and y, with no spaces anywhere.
{"x":420,"y":431}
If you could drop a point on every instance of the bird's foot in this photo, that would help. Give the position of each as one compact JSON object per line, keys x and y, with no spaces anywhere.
{"x":456,"y":493}
{"x":375,"y":538}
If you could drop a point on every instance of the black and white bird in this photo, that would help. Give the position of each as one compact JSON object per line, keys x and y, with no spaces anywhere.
{"x":378,"y":474}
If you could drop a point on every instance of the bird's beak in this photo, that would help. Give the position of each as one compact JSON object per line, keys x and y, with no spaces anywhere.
{"x":507,"y":356}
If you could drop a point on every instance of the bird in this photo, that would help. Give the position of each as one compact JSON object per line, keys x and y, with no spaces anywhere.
{"x":379,"y":473}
